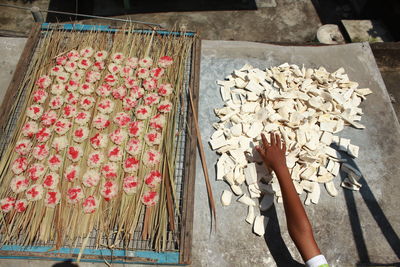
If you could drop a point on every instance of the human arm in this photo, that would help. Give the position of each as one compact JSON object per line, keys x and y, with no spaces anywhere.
{"x":299,"y":226}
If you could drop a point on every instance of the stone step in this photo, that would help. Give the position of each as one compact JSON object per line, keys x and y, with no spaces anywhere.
{"x":367,"y":31}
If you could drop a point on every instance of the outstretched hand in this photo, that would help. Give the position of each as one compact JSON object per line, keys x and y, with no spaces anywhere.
{"x":273,"y":154}
{"x":299,"y":226}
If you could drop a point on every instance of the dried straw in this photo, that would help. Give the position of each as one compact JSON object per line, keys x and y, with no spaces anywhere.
{"x":115,"y":221}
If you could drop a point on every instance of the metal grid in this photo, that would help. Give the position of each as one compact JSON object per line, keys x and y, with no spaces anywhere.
{"x":8,"y":130}
{"x":136,"y":243}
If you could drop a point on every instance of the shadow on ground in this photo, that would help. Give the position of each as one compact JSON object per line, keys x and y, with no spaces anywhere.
{"x":377,"y":213}
{"x":123,"y":7}
{"x":67,"y":263}
{"x":281,"y":254}
{"x":275,"y":242}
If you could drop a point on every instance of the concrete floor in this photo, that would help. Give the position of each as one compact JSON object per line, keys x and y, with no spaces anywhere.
{"x":18,"y":21}
{"x":392,"y":81}
{"x":289,"y":21}
{"x":11,"y":48}
{"x":388,"y":59}
{"x":353,"y":229}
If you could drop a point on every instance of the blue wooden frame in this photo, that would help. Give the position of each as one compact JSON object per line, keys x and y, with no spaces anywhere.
{"x":158,"y":257}
{"x":107,"y":28}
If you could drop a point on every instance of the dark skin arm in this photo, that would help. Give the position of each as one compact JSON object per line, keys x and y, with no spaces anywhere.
{"x":299,"y":226}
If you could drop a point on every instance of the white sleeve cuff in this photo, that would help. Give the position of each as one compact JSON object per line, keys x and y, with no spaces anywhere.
{"x":316,"y":261}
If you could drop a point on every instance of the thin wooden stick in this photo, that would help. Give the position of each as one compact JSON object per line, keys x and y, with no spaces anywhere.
{"x":203,"y":163}
{"x":170,"y":208}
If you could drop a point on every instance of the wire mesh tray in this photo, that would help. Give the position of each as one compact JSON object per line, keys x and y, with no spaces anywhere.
{"x":137,"y":250}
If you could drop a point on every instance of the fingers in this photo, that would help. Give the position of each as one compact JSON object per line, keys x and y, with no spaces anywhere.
{"x":260,"y":150}
{"x":284,"y":147}
{"x":278,"y":140}
{"x":264,"y":141}
{"x":272,"y":138}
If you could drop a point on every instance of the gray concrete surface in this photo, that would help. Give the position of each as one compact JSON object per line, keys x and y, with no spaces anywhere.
{"x":289,"y":21}
{"x":387,"y":57}
{"x":366,"y":31}
{"x":19,"y":21}
{"x":352,"y":228}
{"x":392,"y":79}
{"x":273,"y":21}
{"x":11,"y":49}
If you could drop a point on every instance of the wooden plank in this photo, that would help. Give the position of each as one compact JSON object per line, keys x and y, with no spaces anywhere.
{"x":190,"y":162}
{"x":19,"y":74}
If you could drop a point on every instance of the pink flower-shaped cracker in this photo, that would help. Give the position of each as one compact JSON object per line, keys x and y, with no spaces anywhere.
{"x":101,"y":121}
{"x":151,"y":157}
{"x":109,"y":190}
{"x":19,"y":165}
{"x":153,"y":179}
{"x":122,"y":119}
{"x":7,"y":204}
{"x":19,"y":184}
{"x":130,"y":184}
{"x":74,"y":194}
{"x":109,"y":170}
{"x":142,"y":112}
{"x":52,"y":198}
{"x":157,"y":122}
{"x":34,"y":192}
{"x":164,"y":89}
{"x":95,"y":159}
{"x":34,"y":112}
{"x":56,"y":102}
{"x":71,"y":173}
{"x":165,"y":61}
{"x":74,"y":153}
{"x":150,"y":198}
{"x":90,"y":204}
{"x":165,"y":106}
{"x":133,"y":146}
{"x":43,"y":135}
{"x":51,"y":180}
{"x":49,"y":118}
{"x":91,"y":178}
{"x":21,"y":205}
{"x":35,"y":171}
{"x":54,"y":162}
{"x":99,"y":140}
{"x":115,"y":153}
{"x":119,"y":92}
{"x":30,"y":128}
{"x":43,"y":82}
{"x":131,"y":164}
{"x":40,"y":151}
{"x":23,"y":147}
{"x":149,"y":84}
{"x":39,"y":96}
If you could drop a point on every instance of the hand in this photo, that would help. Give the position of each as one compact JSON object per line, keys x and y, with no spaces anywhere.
{"x":273,"y":154}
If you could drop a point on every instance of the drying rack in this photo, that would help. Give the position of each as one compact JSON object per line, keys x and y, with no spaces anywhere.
{"x":179,"y":242}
